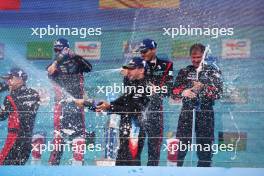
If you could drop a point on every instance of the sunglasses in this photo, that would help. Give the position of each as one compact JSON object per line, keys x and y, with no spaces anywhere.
{"x":58,"y":48}
{"x":144,"y":51}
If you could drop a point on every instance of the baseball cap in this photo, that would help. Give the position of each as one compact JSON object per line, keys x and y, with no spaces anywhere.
{"x":135,"y":62}
{"x":17,"y":72}
{"x":147,"y":44}
{"x":60,"y":43}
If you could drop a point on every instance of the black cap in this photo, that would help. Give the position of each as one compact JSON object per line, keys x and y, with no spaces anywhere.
{"x":135,"y":62}
{"x":17,"y":72}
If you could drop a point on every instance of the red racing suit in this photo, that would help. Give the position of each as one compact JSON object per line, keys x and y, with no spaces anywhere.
{"x":20,"y":108}
{"x":203,"y":105}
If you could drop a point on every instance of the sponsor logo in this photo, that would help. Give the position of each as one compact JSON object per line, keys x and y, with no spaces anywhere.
{"x":88,"y":50}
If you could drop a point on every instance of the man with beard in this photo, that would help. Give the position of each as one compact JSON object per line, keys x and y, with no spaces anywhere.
{"x":198,"y":94}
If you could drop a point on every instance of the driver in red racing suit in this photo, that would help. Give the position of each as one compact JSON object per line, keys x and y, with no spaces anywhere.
{"x":20,"y":108}
{"x":199,"y":95}
{"x":66,"y":72}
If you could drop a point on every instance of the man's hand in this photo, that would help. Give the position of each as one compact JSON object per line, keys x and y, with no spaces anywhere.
{"x":79,"y":102}
{"x":197,"y":86}
{"x":102,"y":106}
{"x":52,"y":68}
{"x":188,"y":93}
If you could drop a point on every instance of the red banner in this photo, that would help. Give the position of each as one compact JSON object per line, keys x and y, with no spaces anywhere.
{"x":10,"y":4}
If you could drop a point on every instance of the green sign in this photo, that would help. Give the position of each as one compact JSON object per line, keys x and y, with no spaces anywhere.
{"x":39,"y":50}
{"x":237,"y":140}
{"x":181,"y":48}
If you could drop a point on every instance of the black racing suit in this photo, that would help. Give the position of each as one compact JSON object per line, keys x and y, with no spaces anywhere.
{"x":203,"y":105}
{"x":130,"y":106}
{"x":20,"y":107}
{"x":159,"y":73}
{"x":69,"y":119}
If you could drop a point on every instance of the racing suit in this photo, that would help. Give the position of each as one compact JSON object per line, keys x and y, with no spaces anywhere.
{"x":69,"y":121}
{"x":159,"y":73}
{"x":131,"y":106}
{"x":20,"y":107}
{"x":203,"y":105}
